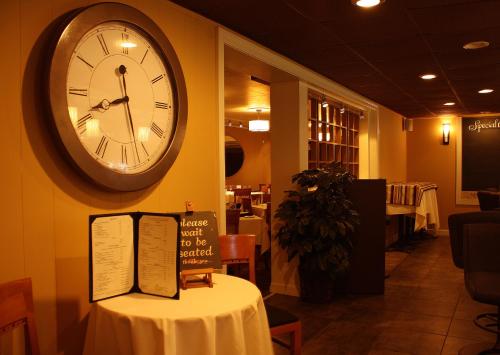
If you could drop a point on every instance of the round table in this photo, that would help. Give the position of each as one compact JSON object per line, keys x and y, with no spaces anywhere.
{"x":229,"y":318}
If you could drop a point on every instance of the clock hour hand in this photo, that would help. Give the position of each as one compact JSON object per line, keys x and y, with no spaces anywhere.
{"x":122,"y":70}
{"x":105,"y":104}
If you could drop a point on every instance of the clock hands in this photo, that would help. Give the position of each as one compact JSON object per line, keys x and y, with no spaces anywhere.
{"x":105,"y":104}
{"x":122,"y":70}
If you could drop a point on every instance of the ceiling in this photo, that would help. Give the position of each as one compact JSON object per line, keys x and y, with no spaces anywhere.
{"x":381,"y":52}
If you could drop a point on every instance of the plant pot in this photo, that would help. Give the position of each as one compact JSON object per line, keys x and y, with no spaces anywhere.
{"x":315,"y":286}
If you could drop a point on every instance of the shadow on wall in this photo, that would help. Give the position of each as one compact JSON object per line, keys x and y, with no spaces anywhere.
{"x":71,"y":318}
{"x":45,"y":145}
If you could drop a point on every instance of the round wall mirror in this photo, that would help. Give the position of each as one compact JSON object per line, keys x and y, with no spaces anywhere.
{"x":234,"y":156}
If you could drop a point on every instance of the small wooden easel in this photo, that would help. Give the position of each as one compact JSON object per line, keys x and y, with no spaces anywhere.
{"x":204,"y":281}
{"x":189,"y":278}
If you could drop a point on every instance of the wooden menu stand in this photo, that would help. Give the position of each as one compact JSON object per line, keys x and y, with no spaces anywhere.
{"x":204,"y":281}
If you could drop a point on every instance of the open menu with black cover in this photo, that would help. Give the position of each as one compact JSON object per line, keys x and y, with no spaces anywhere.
{"x":134,"y":252}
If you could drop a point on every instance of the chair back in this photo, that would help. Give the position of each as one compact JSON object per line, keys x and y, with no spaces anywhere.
{"x":16,"y":309}
{"x":243,"y":192}
{"x":232,"y":221}
{"x":481,"y":266}
{"x":456,"y":223}
{"x":266,"y":198}
{"x":246,"y":204}
{"x":239,"y":249}
{"x":488,"y":200}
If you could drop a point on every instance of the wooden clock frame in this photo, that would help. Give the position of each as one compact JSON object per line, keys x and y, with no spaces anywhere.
{"x":73,"y":28}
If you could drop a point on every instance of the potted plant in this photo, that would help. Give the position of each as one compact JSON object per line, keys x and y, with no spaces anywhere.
{"x":316,"y":223}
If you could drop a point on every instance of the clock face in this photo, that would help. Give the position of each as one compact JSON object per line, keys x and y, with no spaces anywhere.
{"x":120,"y":98}
{"x":117,"y":96}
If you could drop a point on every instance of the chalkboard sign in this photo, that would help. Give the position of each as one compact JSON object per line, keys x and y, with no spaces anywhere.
{"x":480,"y":151}
{"x":199,"y":241}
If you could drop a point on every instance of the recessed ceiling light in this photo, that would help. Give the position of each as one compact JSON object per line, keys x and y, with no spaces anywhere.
{"x":485,"y":91}
{"x":428,"y":76}
{"x":449,"y":104}
{"x":367,"y":3}
{"x":476,"y":45}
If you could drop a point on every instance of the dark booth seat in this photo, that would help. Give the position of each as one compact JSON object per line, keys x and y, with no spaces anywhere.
{"x":475,"y":245}
{"x":488,"y":200}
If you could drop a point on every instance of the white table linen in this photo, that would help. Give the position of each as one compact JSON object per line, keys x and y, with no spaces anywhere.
{"x":425,"y":214}
{"x":229,"y":318}
{"x":258,"y":226}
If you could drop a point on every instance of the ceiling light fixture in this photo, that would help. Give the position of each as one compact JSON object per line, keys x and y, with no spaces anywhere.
{"x":258,"y":125}
{"x":449,"y":104}
{"x":323,"y":102}
{"x":485,"y":91}
{"x":476,"y":45}
{"x":428,"y":76}
{"x":367,"y":3}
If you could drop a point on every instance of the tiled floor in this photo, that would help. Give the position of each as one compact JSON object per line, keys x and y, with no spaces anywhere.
{"x":425,"y":310}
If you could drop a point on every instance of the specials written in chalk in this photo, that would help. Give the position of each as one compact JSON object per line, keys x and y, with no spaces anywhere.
{"x":199,"y":241}
{"x":478,"y":125}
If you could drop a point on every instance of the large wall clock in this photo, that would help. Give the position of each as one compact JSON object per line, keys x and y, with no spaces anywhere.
{"x":116,"y":96}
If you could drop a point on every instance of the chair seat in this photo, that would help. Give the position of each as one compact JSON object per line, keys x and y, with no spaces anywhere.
{"x":278,"y":316}
{"x":484,"y":287}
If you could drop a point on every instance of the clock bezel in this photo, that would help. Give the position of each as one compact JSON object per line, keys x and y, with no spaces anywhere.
{"x":70,"y":34}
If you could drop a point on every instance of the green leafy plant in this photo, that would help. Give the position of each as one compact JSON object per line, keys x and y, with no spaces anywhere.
{"x":316,"y":221}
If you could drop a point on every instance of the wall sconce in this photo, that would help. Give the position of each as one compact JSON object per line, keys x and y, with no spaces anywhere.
{"x":407,"y":124}
{"x":446,"y":133}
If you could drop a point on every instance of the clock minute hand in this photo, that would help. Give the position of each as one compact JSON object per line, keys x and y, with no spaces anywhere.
{"x":122,"y":70}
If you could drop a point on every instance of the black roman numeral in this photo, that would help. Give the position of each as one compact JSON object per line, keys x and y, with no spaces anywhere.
{"x":144,"y":56}
{"x":102,"y":42}
{"x":157,"y":130}
{"x":124,"y":154}
{"x":158,"y":78}
{"x":81,"y":123}
{"x":101,"y":148}
{"x":87,"y":63}
{"x":79,"y":92}
{"x":124,"y":41}
{"x":162,"y":105}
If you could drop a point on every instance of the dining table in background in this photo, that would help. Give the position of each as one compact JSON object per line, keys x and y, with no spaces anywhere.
{"x":257,"y":226}
{"x":256,"y":195}
{"x":229,"y":318}
{"x":426,"y":213}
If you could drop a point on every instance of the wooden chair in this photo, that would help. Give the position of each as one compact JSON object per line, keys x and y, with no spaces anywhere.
{"x":16,"y":309}
{"x":240,"y":248}
{"x":239,"y":193}
{"x":246,"y":204}
{"x":266,"y":198}
{"x":232,"y":221}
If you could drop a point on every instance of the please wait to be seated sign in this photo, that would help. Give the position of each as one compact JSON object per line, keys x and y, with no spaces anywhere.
{"x":199,"y":241}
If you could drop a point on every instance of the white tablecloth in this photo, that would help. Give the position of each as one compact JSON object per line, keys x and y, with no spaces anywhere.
{"x":229,"y":195}
{"x":229,"y":318}
{"x":425,"y":214}
{"x":255,"y":225}
{"x":260,"y":210}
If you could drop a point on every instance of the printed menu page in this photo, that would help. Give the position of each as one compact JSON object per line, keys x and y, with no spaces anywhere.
{"x":157,"y":255}
{"x":112,"y":256}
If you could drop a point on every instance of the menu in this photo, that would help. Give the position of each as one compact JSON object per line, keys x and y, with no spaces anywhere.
{"x":134,"y":252}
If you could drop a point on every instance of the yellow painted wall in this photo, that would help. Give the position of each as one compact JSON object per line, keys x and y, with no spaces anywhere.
{"x":392,"y":146}
{"x":45,"y":204}
{"x":430,"y":160}
{"x":256,"y":168}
